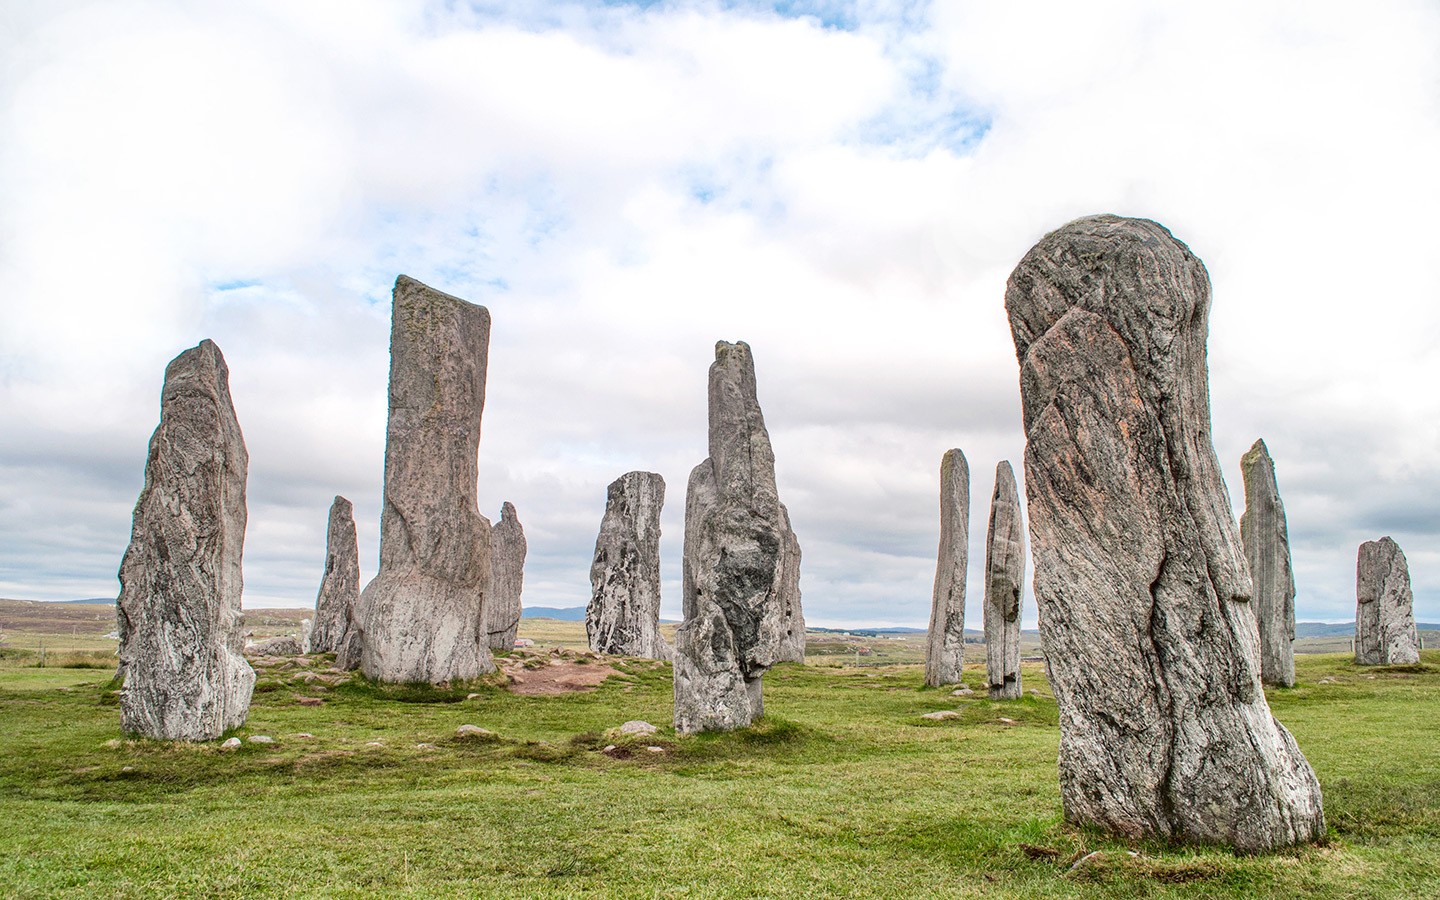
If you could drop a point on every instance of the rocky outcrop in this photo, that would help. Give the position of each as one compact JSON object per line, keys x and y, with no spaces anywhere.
{"x":1267,"y":550}
{"x":180,"y":581}
{"x":1004,"y":580}
{"x":945,"y":649}
{"x":508,"y":547}
{"x":1143,"y":590}
{"x":340,"y":588}
{"x":623,"y":616}
{"x":739,"y":609}
{"x":422,"y":618}
{"x":1385,"y":632}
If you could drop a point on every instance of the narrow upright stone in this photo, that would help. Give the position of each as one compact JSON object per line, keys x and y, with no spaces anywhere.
{"x":508,"y":548}
{"x":740,"y":606}
{"x":623,"y":617}
{"x":1267,"y":549}
{"x":945,"y":649}
{"x":1004,"y":580}
{"x":180,"y":581}
{"x":422,"y":618}
{"x":1385,"y":632}
{"x":1144,"y":593}
{"x":340,"y":588}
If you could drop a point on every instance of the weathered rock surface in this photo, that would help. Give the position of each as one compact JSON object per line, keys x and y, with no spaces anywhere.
{"x":422,"y":618}
{"x":340,"y":588}
{"x":741,"y":597}
{"x":945,"y":648}
{"x":1004,"y":580}
{"x":282,"y":645}
{"x":180,"y":581}
{"x":508,"y":548}
{"x":1267,"y":550}
{"x":1385,"y":632}
{"x":1144,"y":594}
{"x":623,"y":616}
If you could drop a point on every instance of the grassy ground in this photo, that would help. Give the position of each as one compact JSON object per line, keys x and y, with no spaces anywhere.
{"x":844,"y":790}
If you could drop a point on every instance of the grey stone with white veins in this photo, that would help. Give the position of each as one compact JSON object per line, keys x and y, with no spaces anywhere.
{"x":741,"y":604}
{"x":1144,"y":593}
{"x":340,"y":588}
{"x":508,"y":549}
{"x":1004,"y":582}
{"x":1267,"y":550}
{"x":623,"y":616}
{"x":945,"y":647}
{"x":1385,"y":632}
{"x":181,"y":648}
{"x":422,"y":618}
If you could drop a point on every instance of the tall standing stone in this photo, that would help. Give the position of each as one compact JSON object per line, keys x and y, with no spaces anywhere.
{"x":945,"y":649}
{"x":1267,"y":550}
{"x":422,"y":618}
{"x":340,"y":588}
{"x":1385,"y":632}
{"x":180,"y":581}
{"x":508,"y":548}
{"x":1004,"y":580}
{"x":623,"y":616}
{"x":739,"y":609}
{"x":1144,"y":594}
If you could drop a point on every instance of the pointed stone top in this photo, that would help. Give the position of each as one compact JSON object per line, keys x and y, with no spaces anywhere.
{"x":203,"y":361}
{"x":1257,"y":451}
{"x":408,"y":289}
{"x":1004,"y":474}
{"x":507,"y":512}
{"x":726,"y":348}
{"x":342,"y":504}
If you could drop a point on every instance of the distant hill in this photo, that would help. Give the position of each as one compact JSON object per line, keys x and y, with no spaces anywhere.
{"x":564,"y":614}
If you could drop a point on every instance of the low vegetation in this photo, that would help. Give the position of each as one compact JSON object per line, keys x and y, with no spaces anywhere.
{"x":844,"y":790}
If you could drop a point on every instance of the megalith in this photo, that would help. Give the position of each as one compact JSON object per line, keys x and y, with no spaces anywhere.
{"x":623,"y":616}
{"x":1385,"y":633}
{"x":1267,"y":550}
{"x":340,"y":587}
{"x":1004,"y":580}
{"x":422,"y":618}
{"x":1144,"y":594}
{"x":740,"y":596}
{"x":945,"y":647}
{"x":181,"y":647}
{"x":508,"y":547}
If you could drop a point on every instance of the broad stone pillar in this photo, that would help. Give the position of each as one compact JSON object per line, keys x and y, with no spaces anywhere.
{"x":1385,"y":632}
{"x":623,"y":616}
{"x":1143,"y":592}
{"x":422,"y":618}
{"x":945,"y":648}
{"x":1004,"y":580}
{"x":340,"y":588}
{"x":1267,"y":549}
{"x":739,"y":612}
{"x":508,"y":548}
{"x":180,"y":581}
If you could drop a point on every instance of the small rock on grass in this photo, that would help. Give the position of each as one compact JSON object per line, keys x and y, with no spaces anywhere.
{"x":466,"y":731}
{"x":608,"y":748}
{"x":230,"y":744}
{"x":635,"y":726}
{"x":961,"y":692}
{"x":304,"y":736}
{"x":424,"y":746}
{"x":942,"y":714}
{"x":261,"y":739}
{"x":656,"y":749}
{"x":310,"y":701}
{"x":1004,"y":721}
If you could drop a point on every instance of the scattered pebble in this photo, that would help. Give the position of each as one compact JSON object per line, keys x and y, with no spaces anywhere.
{"x":961,"y":692}
{"x":261,"y":739}
{"x":304,"y":736}
{"x":942,"y":714}
{"x":1004,"y":721}
{"x":424,"y":746}
{"x":472,"y":696}
{"x":310,"y":701}
{"x":656,"y":749}
{"x":231,"y":744}
{"x":472,"y":731}
{"x":608,"y":748}
{"x":374,"y":744}
{"x":635,"y":726}
{"x":114,"y":743}
{"x":1327,"y":680}
{"x":127,"y":768}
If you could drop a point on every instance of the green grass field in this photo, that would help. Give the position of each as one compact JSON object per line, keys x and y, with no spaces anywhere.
{"x":843,"y":791}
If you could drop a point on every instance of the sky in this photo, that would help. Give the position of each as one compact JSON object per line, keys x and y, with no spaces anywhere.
{"x":844,"y":185}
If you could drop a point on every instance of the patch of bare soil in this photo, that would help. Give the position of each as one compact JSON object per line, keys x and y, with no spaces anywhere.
{"x":554,"y":671}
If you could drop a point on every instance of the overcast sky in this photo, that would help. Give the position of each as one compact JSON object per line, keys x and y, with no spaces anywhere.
{"x":844,"y":185}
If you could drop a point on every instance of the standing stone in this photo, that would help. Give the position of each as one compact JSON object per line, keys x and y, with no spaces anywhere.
{"x":739,"y":611}
{"x":1267,"y":549}
{"x":508,"y":547}
{"x":422,"y":618}
{"x":180,"y":581}
{"x":1385,"y":632}
{"x":340,"y":588}
{"x":1004,"y":579}
{"x":945,"y":649}
{"x":623,"y":617}
{"x":1144,"y":594}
